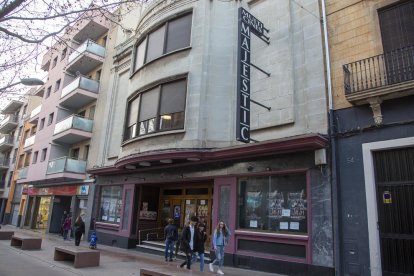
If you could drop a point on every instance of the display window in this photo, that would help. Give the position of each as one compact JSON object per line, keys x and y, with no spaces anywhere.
{"x":273,"y":204}
{"x":110,"y":204}
{"x":43,"y":214}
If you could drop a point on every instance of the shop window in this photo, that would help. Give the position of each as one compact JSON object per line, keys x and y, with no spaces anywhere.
{"x":273,"y":203}
{"x":110,"y":204}
{"x":172,"y":35}
{"x":196,"y":191}
{"x":173,"y":192}
{"x":158,"y":109}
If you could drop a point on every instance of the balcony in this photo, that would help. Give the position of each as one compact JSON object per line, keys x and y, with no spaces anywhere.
{"x":23,"y":173}
{"x":79,"y":93}
{"x":4,"y":163}
{"x":2,"y":185}
{"x":386,"y":76}
{"x":73,"y":129}
{"x":34,"y":115}
{"x":12,"y":107}
{"x":29,"y":142}
{"x":87,"y":57}
{"x":65,"y":168}
{"x":6,"y":142}
{"x":9,"y":123}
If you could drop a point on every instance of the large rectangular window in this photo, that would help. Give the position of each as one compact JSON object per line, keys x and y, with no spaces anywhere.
{"x":110,"y":204}
{"x":171,"y":36}
{"x":158,"y":109}
{"x":273,"y":204}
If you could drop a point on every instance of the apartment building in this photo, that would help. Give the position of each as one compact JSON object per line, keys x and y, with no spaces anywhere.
{"x":10,"y":129}
{"x":218,"y":109}
{"x":56,"y":145}
{"x":372,"y":58}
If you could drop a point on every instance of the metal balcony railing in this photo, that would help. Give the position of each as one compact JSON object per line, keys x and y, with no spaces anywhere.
{"x":390,"y":68}
{"x":66,"y":164}
{"x":82,"y":83}
{"x":88,"y":46}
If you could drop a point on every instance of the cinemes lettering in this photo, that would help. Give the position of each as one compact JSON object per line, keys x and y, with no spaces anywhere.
{"x":252,"y":21}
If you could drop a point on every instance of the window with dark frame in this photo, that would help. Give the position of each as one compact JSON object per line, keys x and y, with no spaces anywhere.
{"x":273,"y":204}
{"x":43,"y":157}
{"x":50,"y":119}
{"x":171,"y":36}
{"x":36,"y":153}
{"x":64,"y":53}
{"x":42,"y":124}
{"x":57,"y":85}
{"x":159,"y":109}
{"x":54,"y":62}
{"x":49,"y":89}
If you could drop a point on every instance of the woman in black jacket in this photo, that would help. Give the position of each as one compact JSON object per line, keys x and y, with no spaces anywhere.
{"x":79,"y":230}
{"x":200,"y":238}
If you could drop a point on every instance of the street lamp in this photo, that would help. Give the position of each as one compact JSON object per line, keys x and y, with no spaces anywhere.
{"x":25,"y":81}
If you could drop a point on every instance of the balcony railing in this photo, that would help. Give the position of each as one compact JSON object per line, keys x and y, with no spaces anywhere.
{"x":9,"y":119}
{"x":390,"y":68}
{"x":88,"y":46}
{"x":82,"y":83}
{"x":29,"y":141}
{"x":74,"y":122}
{"x":6,"y":139}
{"x":23,"y":173}
{"x":35,"y":111}
{"x":66,"y":164}
{"x":4,"y":162}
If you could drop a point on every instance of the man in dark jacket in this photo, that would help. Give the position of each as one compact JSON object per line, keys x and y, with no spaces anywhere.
{"x":187,"y":241}
{"x":200,"y":238}
{"x":171,"y":235}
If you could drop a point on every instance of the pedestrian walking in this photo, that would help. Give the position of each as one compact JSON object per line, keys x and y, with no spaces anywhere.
{"x":200,"y":238}
{"x":187,"y":241}
{"x":171,"y":235}
{"x":67,"y":225}
{"x":220,"y":240}
{"x":62,"y":221}
{"x":79,"y":230}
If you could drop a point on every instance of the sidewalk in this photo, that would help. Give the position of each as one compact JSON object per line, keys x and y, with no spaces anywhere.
{"x":113,"y":260}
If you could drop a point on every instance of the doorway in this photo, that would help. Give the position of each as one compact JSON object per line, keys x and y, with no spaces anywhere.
{"x":394,"y":179}
{"x":183,"y":202}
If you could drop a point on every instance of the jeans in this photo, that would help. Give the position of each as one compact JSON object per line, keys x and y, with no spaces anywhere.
{"x":201,"y":256}
{"x":219,"y":256}
{"x":169,"y":246}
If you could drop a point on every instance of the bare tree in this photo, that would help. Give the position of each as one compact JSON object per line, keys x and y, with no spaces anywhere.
{"x":28,"y":28}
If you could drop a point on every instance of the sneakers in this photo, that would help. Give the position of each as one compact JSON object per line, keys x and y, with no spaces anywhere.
{"x":220,"y":272}
{"x":210,"y":266}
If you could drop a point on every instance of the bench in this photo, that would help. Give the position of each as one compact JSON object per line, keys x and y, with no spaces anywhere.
{"x":26,"y":242}
{"x":81,"y":257}
{"x":6,"y":235}
{"x":147,"y":272}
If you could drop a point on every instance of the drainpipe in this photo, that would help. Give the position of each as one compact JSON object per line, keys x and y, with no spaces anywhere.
{"x":334,"y":183}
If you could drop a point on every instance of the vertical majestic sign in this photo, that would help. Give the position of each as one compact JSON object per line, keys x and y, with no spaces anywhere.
{"x":243,"y":79}
{"x":247,"y":24}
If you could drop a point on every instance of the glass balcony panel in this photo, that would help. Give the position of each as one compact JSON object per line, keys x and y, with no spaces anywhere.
{"x":66,"y":164}
{"x":29,"y":141}
{"x":82,"y":83}
{"x":23,"y":173}
{"x":35,"y":111}
{"x":9,"y":119}
{"x":88,"y":46}
{"x":74,"y":122}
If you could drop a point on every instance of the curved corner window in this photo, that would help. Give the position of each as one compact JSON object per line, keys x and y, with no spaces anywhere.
{"x":171,"y":36}
{"x":161,"y":108}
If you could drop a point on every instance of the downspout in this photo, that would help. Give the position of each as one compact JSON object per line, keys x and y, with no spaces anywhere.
{"x":332,"y":138}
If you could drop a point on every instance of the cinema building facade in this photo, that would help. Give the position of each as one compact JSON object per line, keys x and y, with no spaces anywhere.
{"x":166,"y":146}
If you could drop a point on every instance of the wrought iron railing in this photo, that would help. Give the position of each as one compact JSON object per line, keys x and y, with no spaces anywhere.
{"x":393,"y":67}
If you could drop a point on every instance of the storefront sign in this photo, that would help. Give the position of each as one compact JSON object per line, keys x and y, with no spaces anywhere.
{"x":63,"y":190}
{"x":247,"y":24}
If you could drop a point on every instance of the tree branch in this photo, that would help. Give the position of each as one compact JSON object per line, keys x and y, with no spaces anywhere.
{"x":10,"y":7}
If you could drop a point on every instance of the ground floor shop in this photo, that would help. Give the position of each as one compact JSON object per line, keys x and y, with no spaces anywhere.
{"x":46,"y":206}
{"x":277,"y":205}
